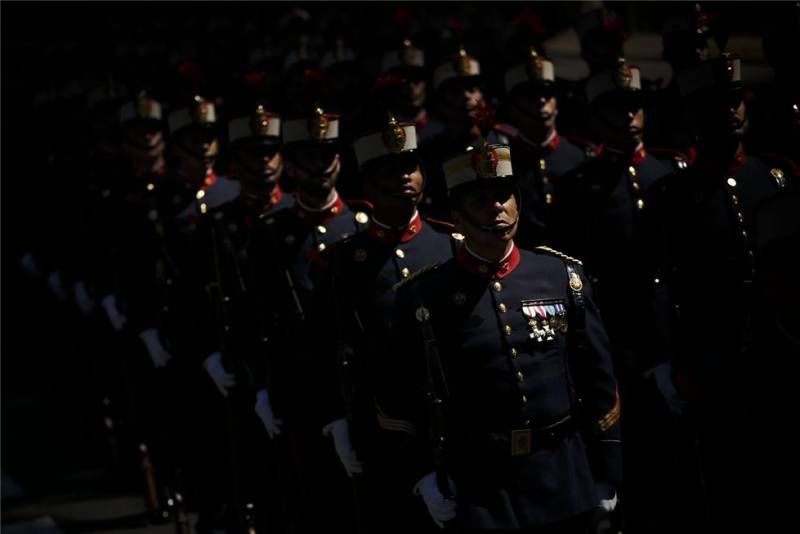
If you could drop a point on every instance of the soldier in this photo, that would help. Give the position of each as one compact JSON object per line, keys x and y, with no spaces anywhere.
{"x":290,"y":251}
{"x":541,"y":155}
{"x":514,"y":361}
{"x":462,"y":112}
{"x":408,"y":94}
{"x":707,"y":219}
{"x":359,"y":298}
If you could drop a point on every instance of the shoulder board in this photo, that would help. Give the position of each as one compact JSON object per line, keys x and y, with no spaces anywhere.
{"x":415,"y":275}
{"x":356,"y":204}
{"x":553,"y":252}
{"x":442,"y":226}
{"x":506,"y":129}
{"x":589,"y":148}
{"x":675,"y":157}
{"x":781,"y":163}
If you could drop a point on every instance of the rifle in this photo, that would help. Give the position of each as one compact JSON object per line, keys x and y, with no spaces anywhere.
{"x":437,"y":393}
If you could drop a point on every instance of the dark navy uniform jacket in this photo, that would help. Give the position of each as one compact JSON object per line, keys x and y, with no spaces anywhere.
{"x":708,"y":256}
{"x":538,"y":168}
{"x":355,"y":311}
{"x":291,"y":254}
{"x":504,"y":375}
{"x":229,"y":273}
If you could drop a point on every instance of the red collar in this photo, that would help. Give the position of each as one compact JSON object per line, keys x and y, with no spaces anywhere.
{"x":552,"y":144}
{"x":639,"y":155}
{"x":404,"y":234}
{"x":209,"y":180}
{"x":738,"y":161}
{"x":422,"y":121}
{"x":314,"y":217}
{"x":252,"y":203}
{"x":500,"y":269}
{"x":160,"y":172}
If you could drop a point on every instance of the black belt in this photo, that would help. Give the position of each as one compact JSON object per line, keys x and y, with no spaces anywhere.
{"x":526,"y":440}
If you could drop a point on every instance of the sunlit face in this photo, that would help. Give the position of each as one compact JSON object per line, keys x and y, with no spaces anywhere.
{"x":488,"y":212}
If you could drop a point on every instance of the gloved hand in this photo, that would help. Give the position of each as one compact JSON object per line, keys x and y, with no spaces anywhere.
{"x":340,"y":432}
{"x":608,"y":496}
{"x":55,"y":282}
{"x":222,"y":378}
{"x":264,"y":412}
{"x":441,"y":509}
{"x":85,"y":303}
{"x":662,"y":374}
{"x":157,"y":352}
{"x":117,"y":320}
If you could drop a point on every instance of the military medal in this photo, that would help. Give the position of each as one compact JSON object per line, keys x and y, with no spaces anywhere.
{"x":546,"y":318}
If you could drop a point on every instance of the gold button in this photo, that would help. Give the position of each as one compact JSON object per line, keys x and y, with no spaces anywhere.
{"x":497,"y":286}
{"x":750,"y":253}
{"x":200,"y":194}
{"x":335,"y":210}
{"x":507,"y":330}
{"x":400,"y":253}
{"x":548,"y":198}
{"x":203,"y":208}
{"x":740,"y":216}
{"x":150,"y":187}
{"x":361,"y":217}
{"x":657,"y":280}
{"x":545,"y":180}
{"x":321,"y":229}
{"x":412,"y":229}
{"x":542,"y":164}
{"x":632,"y":170}
{"x":640,"y":204}
{"x":636,"y":186}
{"x":405,"y":272}
{"x":520,"y":377}
{"x":524,"y":399}
{"x":732,"y":182}
{"x":321,"y":247}
{"x":734,"y":199}
{"x":502,"y":308}
{"x":744,"y":234}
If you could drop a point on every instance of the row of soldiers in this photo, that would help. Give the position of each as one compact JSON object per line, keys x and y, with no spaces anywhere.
{"x":418,"y":352}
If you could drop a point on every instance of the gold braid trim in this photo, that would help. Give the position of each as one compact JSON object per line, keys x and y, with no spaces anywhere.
{"x":561,"y":255}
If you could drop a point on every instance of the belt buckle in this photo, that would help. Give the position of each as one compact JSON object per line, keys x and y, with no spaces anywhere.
{"x":521,"y":442}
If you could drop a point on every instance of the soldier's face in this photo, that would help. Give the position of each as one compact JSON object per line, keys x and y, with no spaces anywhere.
{"x":257,"y":171}
{"x":462,"y":101}
{"x":399,"y":177}
{"x":316,"y":184}
{"x":723,"y":115}
{"x":535,"y":112}
{"x":488,"y":212}
{"x":418,"y":91}
{"x":621,"y":122}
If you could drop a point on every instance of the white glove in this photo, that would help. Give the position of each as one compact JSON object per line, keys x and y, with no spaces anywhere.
{"x":264,"y":411}
{"x":117,"y":320}
{"x":222,"y":378}
{"x":157,"y":352}
{"x":608,"y":497}
{"x":662,"y":374}
{"x":441,"y":509}
{"x":56,"y":284}
{"x":85,"y":303}
{"x":340,"y":432}
{"x":29,"y":264}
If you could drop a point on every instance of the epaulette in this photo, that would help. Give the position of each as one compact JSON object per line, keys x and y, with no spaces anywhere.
{"x":780,"y":164}
{"x":506,"y":129}
{"x":675,"y":157}
{"x":444,"y":227}
{"x":413,"y":276}
{"x":561,"y":255}
{"x":590,"y":149}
